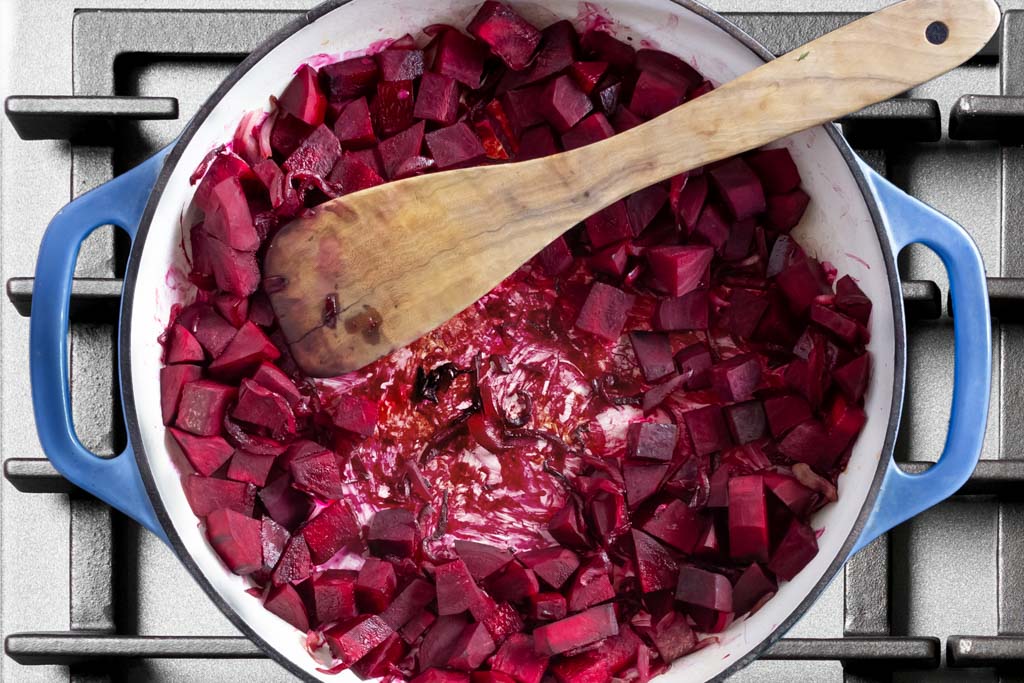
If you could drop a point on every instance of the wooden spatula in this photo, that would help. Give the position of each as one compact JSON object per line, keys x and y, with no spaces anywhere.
{"x":372,"y":271}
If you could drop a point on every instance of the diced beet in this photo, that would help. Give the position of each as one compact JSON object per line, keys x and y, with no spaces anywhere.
{"x":205,"y":453}
{"x":400,"y":147}
{"x":599,"y":663}
{"x":288,"y":133}
{"x":285,"y":602}
{"x":517,"y":658}
{"x":642,"y":481}
{"x":392,"y":107}
{"x":355,"y":414}
{"x":680,"y":269}
{"x":746,"y":308}
{"x":393,"y":532}
{"x":472,"y":648}
{"x":608,"y":92}
{"x":437,"y":99}
{"x":593,"y":128}
{"x":294,"y":565}
{"x":694,"y":363}
{"x":205,"y":495}
{"x":604,"y":312}
{"x":433,"y":675}
{"x":224,"y":165}
{"x":746,"y":421}
{"x":654,"y":353}
{"x":315,"y":156}
{"x":273,"y":538}
{"x":455,"y":146}
{"x":260,"y":407}
{"x":739,"y":187}
{"x":439,"y":641}
{"x":845,"y":329}
{"x":852,"y":301}
{"x":588,"y":74}
{"x":556,"y":53}
{"x":737,"y":378}
{"x":521,"y":108}
{"x":351,"y":641}
{"x":655,"y":566}
{"x":202,"y":407}
{"x":456,"y":590}
{"x":790,"y":492}
{"x":352,"y":175}
{"x":334,"y":597}
{"x":183,"y":347}
{"x":609,"y":225}
{"x":751,"y":588}
{"x":512,"y":583}
{"x":273,"y":378}
{"x":845,"y":422}
{"x":250,"y":468}
{"x":482,"y":559}
{"x":500,"y":619}
{"x":655,"y":93}
{"x":173,"y":379}
{"x":748,"y":520}
{"x":707,"y":429}
{"x":801,"y":282}
{"x":381,"y":660}
{"x":317,"y":474}
{"x":416,"y":626}
{"x":591,"y":585}
{"x":547,"y":607}
{"x":741,"y":237}
{"x":287,"y":506}
{"x":852,"y":378}
{"x":234,"y":309}
{"x":677,"y":524}
{"x":687,"y":312}
{"x":553,"y":565}
{"x":348,"y":79}
{"x":537,"y":142}
{"x":660,"y":61}
{"x":509,"y":36}
{"x":704,"y":589}
{"x":809,"y":442}
{"x":235,"y":272}
{"x":354,"y":127}
{"x":460,"y":57}
{"x":785,"y":412}
{"x":597,"y":623}
{"x":784,"y":211}
{"x":375,"y":585}
{"x":229,"y":219}
{"x":236,"y":538}
{"x":606,"y":510}
{"x":672,"y":636}
{"x":644,"y":205}
{"x":611,"y":260}
{"x":412,"y":600}
{"x":797,"y":548}
{"x":707,"y":545}
{"x":563,"y":104}
{"x":607,"y":47}
{"x":248,"y":348}
{"x":400,"y":65}
{"x":776,"y":170}
{"x":333,"y":528}
{"x":651,"y":440}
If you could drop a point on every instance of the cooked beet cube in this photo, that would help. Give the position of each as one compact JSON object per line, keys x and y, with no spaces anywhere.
{"x":302,"y":97}
{"x":400,"y":65}
{"x":655,"y":566}
{"x":393,"y":106}
{"x":752,"y":587}
{"x":609,"y":225}
{"x":651,"y":440}
{"x":555,"y":258}
{"x":687,"y":312}
{"x":801,"y":283}
{"x":785,"y":412}
{"x":655,"y":93}
{"x":588,"y":74}
{"x":597,"y":623}
{"x":381,"y":660}
{"x":663,"y":62}
{"x":676,"y":524}
{"x":689,"y":202}
{"x":205,"y":495}
{"x":482,"y":559}
{"x":592,"y":129}
{"x":552,"y":565}
{"x":694,"y":363}
{"x":748,"y":519}
{"x":472,"y":648}
{"x":737,"y":378}
{"x":354,"y":127}
{"x":741,"y":238}
{"x":409,"y":603}
{"x":229,"y":219}
{"x":173,"y":379}
{"x":317,"y":474}
{"x":556,"y":54}
{"x":236,"y":538}
{"x":644,"y":205}
{"x":352,"y":175}
{"x":746,"y":308}
{"x":456,"y":590}
{"x":611,"y":260}
{"x":294,"y":564}
{"x":351,"y":641}
{"x":355,"y":414}
{"x":591,"y":585}
{"x":707,"y":429}
{"x":851,"y":300}
{"x":566,"y":527}
{"x":852,"y":378}
{"x":739,"y":187}
{"x":246,"y":467}
{"x":809,"y":442}
{"x":288,"y":133}
{"x":547,"y":607}
{"x":642,"y":481}
{"x":247,"y":349}
{"x":711,"y":228}
{"x":224,"y":165}
{"x":746,"y":421}
{"x":509,"y":36}
{"x":202,"y":407}
{"x":334,"y":596}
{"x":608,"y":48}
{"x":537,"y":142}
{"x":315,"y":156}
{"x":704,"y":589}
{"x":393,"y":532}
{"x":183,"y":347}
{"x":790,"y":492}
{"x":375,"y":585}
{"x":604,"y":312}
{"x":512,"y":583}
{"x":401,"y":147}
{"x":333,"y":528}
{"x":563,"y":104}
{"x":784,"y":211}
{"x":654,"y":353}
{"x":776,"y":170}
{"x":438,"y":99}
{"x":606,"y":509}
{"x":235,"y":272}
{"x":796,"y":549}
{"x":260,"y":407}
{"x":455,"y":146}
{"x":517,"y":658}
{"x":205,"y":453}
{"x":845,"y":329}
{"x":680,"y":269}
{"x":285,"y":602}
{"x":348,"y":79}
{"x":460,"y":57}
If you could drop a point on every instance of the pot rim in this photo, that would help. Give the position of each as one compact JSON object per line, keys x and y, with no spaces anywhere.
{"x":251,"y":61}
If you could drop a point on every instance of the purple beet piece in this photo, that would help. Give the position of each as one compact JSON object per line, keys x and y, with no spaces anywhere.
{"x":547,"y":607}
{"x":349,"y":79}
{"x":655,"y":93}
{"x":229,"y":219}
{"x":608,"y":93}
{"x":712,"y":227}
{"x":592,"y":129}
{"x":566,"y":526}
{"x":285,"y":505}
{"x":303,"y":98}
{"x":694,"y":363}
{"x":224,"y":165}
{"x":286,"y":603}
{"x":845,"y":329}
{"x":704,"y":589}
{"x":680,"y":269}
{"x":752,"y":586}
{"x":400,"y":65}
{"x":655,"y":566}
{"x":687,"y":312}
{"x":439,"y":641}
{"x":809,"y":442}
{"x":206,"y":495}
{"x":472,"y":648}
{"x":663,"y":62}
{"x":352,"y":640}
{"x":606,"y":510}
{"x":354,"y":127}
{"x":236,"y":538}
{"x":375,"y":585}
{"x":741,"y":239}
{"x":604,"y":312}
{"x":797,"y":548}
{"x":355,"y":414}
{"x":707,"y":429}
{"x":642,"y":481}
{"x":746,"y":421}
{"x":202,"y":407}
{"x":776,"y":170}
{"x":672,"y":636}
{"x":852,"y":301}
{"x":398,"y":148}
{"x":173,"y":379}
{"x":455,"y":146}
{"x":392,"y":107}
{"x":588,"y":74}
{"x":563,"y":104}
{"x":748,"y":519}
{"x":352,"y":175}
{"x":521,"y":107}
{"x":785,"y":252}
{"x":246,"y":467}
{"x":260,"y":407}
{"x":509,"y":36}
{"x":393,"y":532}
{"x":411,"y":601}
{"x":556,"y":53}
{"x":552,"y":565}
{"x":315,"y":156}
{"x":654,"y":354}
{"x":784,"y":211}
{"x":802,"y":282}
{"x":334,"y":596}
{"x":247,"y":349}
{"x":790,"y":492}
{"x":460,"y":57}
{"x":235,"y":272}
{"x":852,"y":378}
{"x":555,"y":258}
{"x":288,"y":133}
{"x":414,"y":166}
{"x":512,"y":583}
{"x":737,"y":378}
{"x":676,"y":524}
{"x":785,"y":412}
{"x":608,"y":48}
{"x":591,"y":626}
{"x":611,"y":260}
{"x":651,"y":441}
{"x":609,"y":225}
{"x":183,"y":347}
{"x":537,"y":142}
{"x":294,"y":564}
{"x":644,"y":205}
{"x":482,"y":559}
{"x":746,"y":308}
{"x":318,"y":475}
{"x":273,"y":378}
{"x":234,"y":309}
{"x":381,"y":660}
{"x":688,"y":200}
{"x":517,"y":658}
{"x":205,"y":453}
{"x":612,"y":656}
{"x":438,"y":99}
{"x":739,"y":187}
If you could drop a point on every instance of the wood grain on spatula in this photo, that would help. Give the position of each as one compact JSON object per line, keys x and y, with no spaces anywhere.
{"x":370,"y":272}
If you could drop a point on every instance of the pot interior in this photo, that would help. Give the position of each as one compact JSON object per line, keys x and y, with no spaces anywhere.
{"x":838,"y":228}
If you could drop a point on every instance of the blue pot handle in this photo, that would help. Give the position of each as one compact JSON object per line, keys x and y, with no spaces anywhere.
{"x":904,"y":495}
{"x":114,"y":480}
